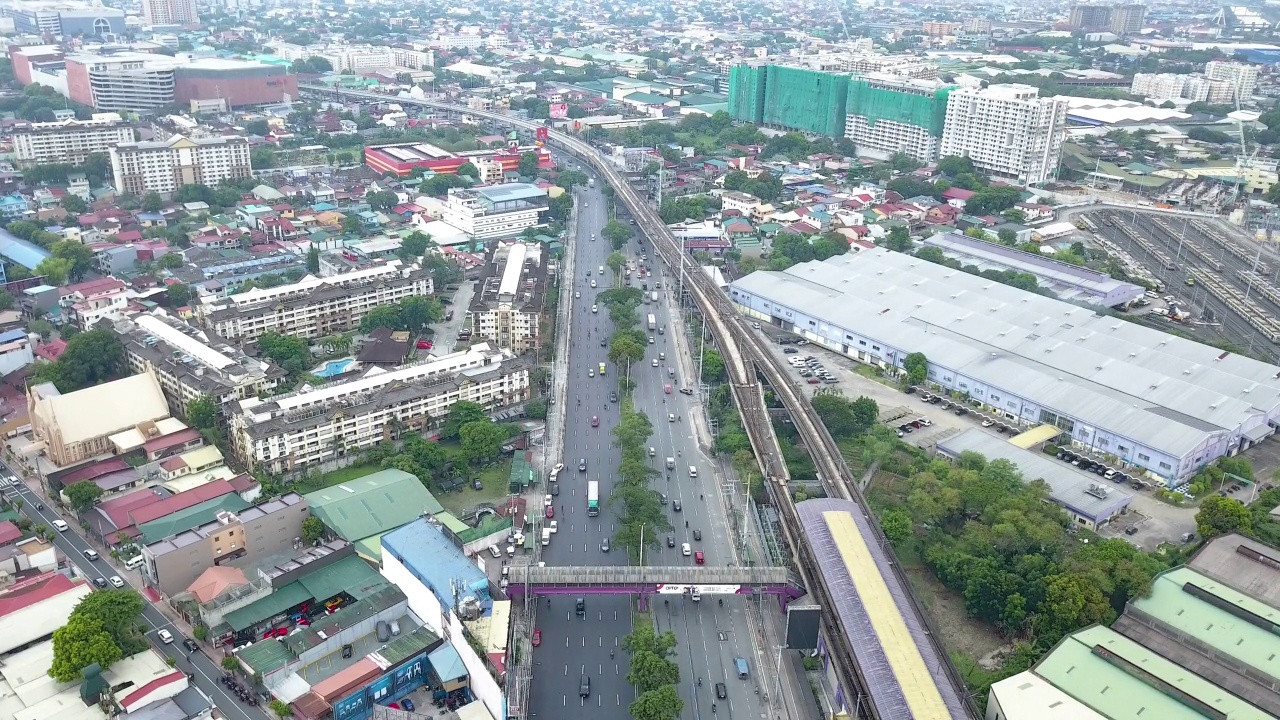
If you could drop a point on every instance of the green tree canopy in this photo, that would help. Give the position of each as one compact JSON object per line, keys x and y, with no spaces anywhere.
{"x":83,"y":495}
{"x":79,"y":643}
{"x":1222,"y":515}
{"x":461,"y":413}
{"x":481,"y":440}
{"x":91,"y":357}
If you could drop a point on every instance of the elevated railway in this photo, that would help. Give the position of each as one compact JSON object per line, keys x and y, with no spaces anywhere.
{"x":748,"y":359}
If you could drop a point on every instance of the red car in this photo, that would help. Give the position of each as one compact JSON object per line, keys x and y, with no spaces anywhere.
{"x":424,"y":344}
{"x":551,"y":511}
{"x":595,"y":421}
{"x":698,"y":557}
{"x":537,"y":638}
{"x":814,"y":381}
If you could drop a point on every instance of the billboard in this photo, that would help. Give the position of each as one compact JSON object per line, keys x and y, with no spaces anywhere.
{"x":702,"y":589}
{"x":803,"y":622}
{"x":542,"y":134}
{"x":386,"y":688}
{"x":559,"y":110}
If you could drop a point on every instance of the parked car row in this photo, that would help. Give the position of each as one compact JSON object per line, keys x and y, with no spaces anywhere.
{"x":959,"y":408}
{"x":1097,"y":468}
{"x":811,"y":368}
{"x":912,"y":426}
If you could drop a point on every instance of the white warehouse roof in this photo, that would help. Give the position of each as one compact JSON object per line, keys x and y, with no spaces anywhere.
{"x":1163,"y":391}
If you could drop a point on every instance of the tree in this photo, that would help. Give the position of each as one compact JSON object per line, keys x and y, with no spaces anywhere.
{"x":712,"y":366}
{"x":903,"y":162}
{"x":645,"y":639}
{"x":381,"y":316}
{"x":119,"y":612}
{"x":55,"y":270}
{"x":382,"y":200}
{"x":1222,"y":515}
{"x":351,"y":225}
{"x":917,"y":367}
{"x":414,"y":245}
{"x":1007,"y":237}
{"x":312,"y":530}
{"x":909,"y":186}
{"x":650,"y":671}
{"x":171,"y":261}
{"x":41,"y":327}
{"x":280,"y":708}
{"x":955,"y":165}
{"x":83,"y":495}
{"x":992,"y":200}
{"x":203,"y":413}
{"x":896,"y":525}
{"x":617,"y":233}
{"x":569,"y":178}
{"x":80,"y":256}
{"x":91,"y":357}
{"x":899,"y":239}
{"x":661,"y":704}
{"x":79,"y":643}
{"x":257,"y":127}
{"x":1071,"y":602}
{"x":313,"y":260}
{"x":290,"y":353}
{"x":74,"y":204}
{"x":469,"y":169}
{"x":461,"y":413}
{"x":6,"y":300}
{"x":481,"y":440}
{"x":152,"y":202}
{"x":178,"y":294}
{"x":529,"y":163}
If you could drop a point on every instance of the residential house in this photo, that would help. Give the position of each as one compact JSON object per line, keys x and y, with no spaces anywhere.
{"x":957,"y":197}
{"x":84,"y":304}
{"x":14,"y":207}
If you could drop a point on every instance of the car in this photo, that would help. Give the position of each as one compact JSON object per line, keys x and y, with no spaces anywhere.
{"x":91,"y":554}
{"x":987,"y":423}
{"x":722,"y":692}
{"x":116,"y":581}
{"x":584,"y":686}
{"x":1131,"y":530}
{"x":675,"y":505}
{"x":604,"y":546}
{"x":595,"y":308}
{"x":962,"y":411}
{"x":667,"y":388}
{"x":595,"y":421}
{"x":613,"y":397}
{"x":100,"y":582}
{"x":537,"y":638}
{"x":813,"y":381}
{"x":686,"y":391}
{"x":604,"y":343}
{"x":407,"y":704}
{"x":551,"y":511}
{"x":166,"y":637}
{"x":654,"y":362}
{"x":755,"y":326}
{"x":699,"y":558}
{"x":591,"y":372}
{"x":671,"y":541}
{"x":601,"y":269}
{"x":582,"y":465}
{"x":593,"y":284}
{"x":190,"y":645}
{"x":494,"y":551}
{"x":577,"y":294}
{"x":697,"y":534}
{"x":900,"y":433}
{"x":685,"y":549}
{"x":651,"y":340}
{"x":662,"y":498}
{"x":790,"y":351}
{"x":671,"y":417}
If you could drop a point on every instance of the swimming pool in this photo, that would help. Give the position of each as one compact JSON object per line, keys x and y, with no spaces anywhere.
{"x":333,"y":367}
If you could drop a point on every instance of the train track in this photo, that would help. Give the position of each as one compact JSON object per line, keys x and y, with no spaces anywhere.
{"x":746,"y":354}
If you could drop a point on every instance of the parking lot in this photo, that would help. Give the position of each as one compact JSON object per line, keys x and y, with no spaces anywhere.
{"x":1155,"y":521}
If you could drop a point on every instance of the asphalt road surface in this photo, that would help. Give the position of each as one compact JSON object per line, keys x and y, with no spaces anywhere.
{"x":73,"y":546}
{"x":710,"y":634}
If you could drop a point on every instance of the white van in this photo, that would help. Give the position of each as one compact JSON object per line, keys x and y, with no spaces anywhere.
{"x":60,"y":525}
{"x":134,"y":562}
{"x":693,"y":471}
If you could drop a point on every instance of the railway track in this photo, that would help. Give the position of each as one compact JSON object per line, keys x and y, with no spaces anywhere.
{"x":746,"y":355}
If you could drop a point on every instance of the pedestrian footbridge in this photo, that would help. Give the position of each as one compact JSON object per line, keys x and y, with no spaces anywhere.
{"x":645,"y":581}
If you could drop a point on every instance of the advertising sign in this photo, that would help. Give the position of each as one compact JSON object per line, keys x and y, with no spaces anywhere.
{"x":411,"y":674}
{"x":559,"y":110}
{"x":351,"y":706}
{"x":702,"y":589}
{"x":542,"y":135}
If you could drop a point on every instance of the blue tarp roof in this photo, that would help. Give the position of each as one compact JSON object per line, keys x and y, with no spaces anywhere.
{"x":28,"y":255}
{"x":436,"y":561}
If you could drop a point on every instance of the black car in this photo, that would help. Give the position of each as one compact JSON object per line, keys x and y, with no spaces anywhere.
{"x":790,"y":351}
{"x":671,"y":541}
{"x":697,"y":534}
{"x":675,"y":505}
{"x":613,"y":397}
{"x":722,"y":692}
{"x":190,"y":645}
{"x":100,"y":582}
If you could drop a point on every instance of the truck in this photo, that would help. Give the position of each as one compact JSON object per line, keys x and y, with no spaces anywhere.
{"x":591,"y":182}
{"x":653,"y":296}
{"x":593,"y":498}
{"x":653,"y":322}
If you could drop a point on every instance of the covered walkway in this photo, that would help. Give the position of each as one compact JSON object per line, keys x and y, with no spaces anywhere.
{"x":678,"y":580}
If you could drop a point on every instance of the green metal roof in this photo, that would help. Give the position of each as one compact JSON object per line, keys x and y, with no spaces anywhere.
{"x":1204,"y":618}
{"x":192,"y":517}
{"x":1119,"y":678}
{"x":410,"y":644}
{"x":372,"y":504}
{"x":269,"y":606}
{"x":264,"y":657}
{"x":350,"y":574}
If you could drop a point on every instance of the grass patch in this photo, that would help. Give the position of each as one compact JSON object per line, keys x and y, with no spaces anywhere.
{"x":493,"y":480}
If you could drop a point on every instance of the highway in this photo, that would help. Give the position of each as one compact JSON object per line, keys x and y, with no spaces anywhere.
{"x":73,"y":545}
{"x":744,"y":354}
{"x":574,"y":645}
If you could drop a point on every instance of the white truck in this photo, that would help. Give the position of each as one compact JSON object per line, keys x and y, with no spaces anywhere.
{"x":591,"y":182}
{"x":653,"y":321}
{"x":653,"y":296}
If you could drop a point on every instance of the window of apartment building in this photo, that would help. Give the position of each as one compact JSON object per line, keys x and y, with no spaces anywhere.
{"x":1144,"y":457}
{"x":1165,"y":466}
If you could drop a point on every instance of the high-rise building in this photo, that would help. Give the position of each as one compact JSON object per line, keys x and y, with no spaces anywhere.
{"x":888,"y":115}
{"x":1172,"y":86}
{"x":162,"y":167}
{"x":1090,"y":17}
{"x":1127,"y":19}
{"x":63,"y":18}
{"x":1241,"y":76}
{"x":507,"y":308}
{"x":68,"y":141}
{"x":169,"y":12}
{"x":1006,"y":130}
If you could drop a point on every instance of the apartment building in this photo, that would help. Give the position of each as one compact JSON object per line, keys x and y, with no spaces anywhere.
{"x":239,"y":538}
{"x":890,"y":114}
{"x":507,"y":308}
{"x":288,"y":433}
{"x":313,"y":307}
{"x":169,"y":12}
{"x":69,"y":141}
{"x":413,"y":59}
{"x":1127,"y":19}
{"x":495,"y":211}
{"x":358,"y":58}
{"x":1006,"y":130}
{"x":936,"y":28}
{"x":142,"y":167}
{"x":192,"y":363}
{"x":901,"y":65}
{"x":1242,"y":78}
{"x":1172,"y":86}
{"x":86,"y":303}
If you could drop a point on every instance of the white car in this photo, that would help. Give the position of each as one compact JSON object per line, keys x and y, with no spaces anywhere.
{"x":671,"y":417}
{"x":591,"y":372}
{"x":116,"y":581}
{"x":655,"y":362}
{"x":686,"y":550}
{"x":546,"y":500}
{"x":595,"y":309}
{"x":165,"y":637}
{"x":593,"y":283}
{"x":577,"y":294}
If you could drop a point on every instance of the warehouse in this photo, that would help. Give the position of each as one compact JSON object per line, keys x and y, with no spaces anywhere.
{"x":1149,"y":400}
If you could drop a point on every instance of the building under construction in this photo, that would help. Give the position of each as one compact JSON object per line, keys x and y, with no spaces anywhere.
{"x":881,"y":113}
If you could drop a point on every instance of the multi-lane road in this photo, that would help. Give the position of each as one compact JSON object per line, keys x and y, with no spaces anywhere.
{"x":710,"y":634}
{"x":73,"y":546}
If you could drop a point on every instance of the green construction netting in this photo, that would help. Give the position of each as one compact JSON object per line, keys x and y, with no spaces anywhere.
{"x":874,"y":103}
{"x":807,"y":100}
{"x":746,"y":93}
